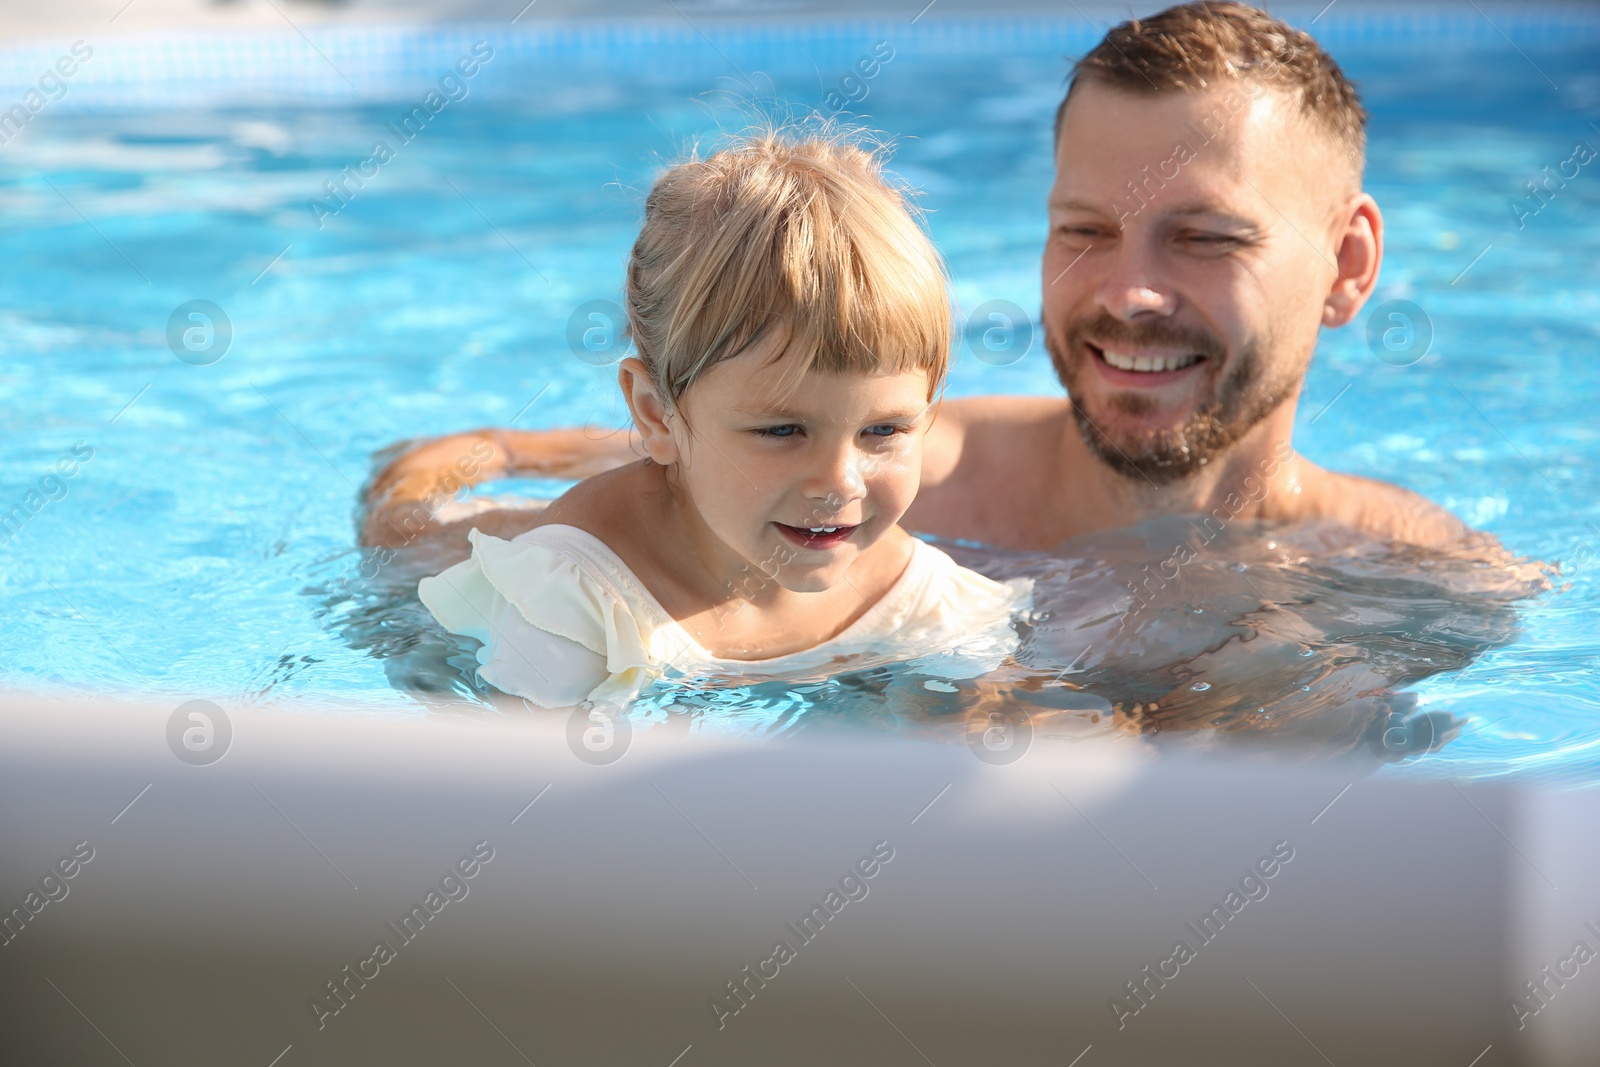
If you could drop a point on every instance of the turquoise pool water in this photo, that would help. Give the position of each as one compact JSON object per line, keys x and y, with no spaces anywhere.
{"x":202,"y":544}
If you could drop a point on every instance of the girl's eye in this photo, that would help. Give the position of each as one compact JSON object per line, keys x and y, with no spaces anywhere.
{"x":778,"y":431}
{"x":884,"y":430}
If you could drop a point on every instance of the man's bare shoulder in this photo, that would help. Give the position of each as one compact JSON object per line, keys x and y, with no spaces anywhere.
{"x":968,"y":428}
{"x":981,"y":410}
{"x":1388,"y":511}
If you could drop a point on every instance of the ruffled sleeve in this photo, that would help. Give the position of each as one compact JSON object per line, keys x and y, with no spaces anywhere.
{"x":554,"y":627}
{"x":969,"y":618}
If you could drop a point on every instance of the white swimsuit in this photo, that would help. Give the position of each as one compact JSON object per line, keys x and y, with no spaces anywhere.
{"x":563,"y":621}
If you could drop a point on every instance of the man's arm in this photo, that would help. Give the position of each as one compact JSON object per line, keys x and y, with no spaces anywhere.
{"x":418,"y":477}
{"x":975,"y":475}
{"x":1390,"y":513}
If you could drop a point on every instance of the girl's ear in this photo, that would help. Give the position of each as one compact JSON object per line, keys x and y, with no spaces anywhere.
{"x":648,"y":411}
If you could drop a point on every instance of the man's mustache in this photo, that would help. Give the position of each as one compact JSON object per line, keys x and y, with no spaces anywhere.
{"x":1106,"y":329}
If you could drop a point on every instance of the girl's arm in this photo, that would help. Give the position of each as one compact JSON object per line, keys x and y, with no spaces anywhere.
{"x":417,"y":477}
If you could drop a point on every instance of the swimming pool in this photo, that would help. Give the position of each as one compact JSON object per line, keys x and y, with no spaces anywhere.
{"x":202,"y":544}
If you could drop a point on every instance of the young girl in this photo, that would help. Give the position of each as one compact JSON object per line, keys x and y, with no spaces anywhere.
{"x":792,"y":326}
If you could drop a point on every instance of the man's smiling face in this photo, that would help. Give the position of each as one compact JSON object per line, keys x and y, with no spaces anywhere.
{"x":1191,"y":249}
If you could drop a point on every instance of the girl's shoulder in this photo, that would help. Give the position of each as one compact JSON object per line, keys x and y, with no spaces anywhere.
{"x":607,"y":506}
{"x":627,"y":509}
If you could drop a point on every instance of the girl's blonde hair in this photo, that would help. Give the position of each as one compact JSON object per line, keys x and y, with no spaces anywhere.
{"x":798,"y":234}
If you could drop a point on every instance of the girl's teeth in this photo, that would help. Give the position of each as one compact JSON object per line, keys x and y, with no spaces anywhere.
{"x":822,"y":529}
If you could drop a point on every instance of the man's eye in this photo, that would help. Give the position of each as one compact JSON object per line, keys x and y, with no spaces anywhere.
{"x":777,"y":431}
{"x":1210,"y":240}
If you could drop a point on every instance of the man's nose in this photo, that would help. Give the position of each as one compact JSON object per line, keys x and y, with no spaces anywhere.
{"x":1133,"y":285}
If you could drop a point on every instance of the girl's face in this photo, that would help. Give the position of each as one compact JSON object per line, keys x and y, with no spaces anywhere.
{"x":799,"y":484}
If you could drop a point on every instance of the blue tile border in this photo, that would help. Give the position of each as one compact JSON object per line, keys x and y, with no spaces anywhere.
{"x":215,"y":68}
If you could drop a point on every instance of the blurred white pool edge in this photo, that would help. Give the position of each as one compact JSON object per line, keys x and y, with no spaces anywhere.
{"x":1409,"y":918}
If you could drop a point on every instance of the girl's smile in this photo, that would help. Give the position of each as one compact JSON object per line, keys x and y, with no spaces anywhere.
{"x":817,"y":537}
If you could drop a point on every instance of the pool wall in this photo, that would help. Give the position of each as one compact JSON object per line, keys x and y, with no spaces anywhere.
{"x":337,"y":63}
{"x":625,"y":910}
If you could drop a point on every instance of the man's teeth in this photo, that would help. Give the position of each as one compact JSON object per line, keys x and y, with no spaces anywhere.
{"x":1148,"y":363}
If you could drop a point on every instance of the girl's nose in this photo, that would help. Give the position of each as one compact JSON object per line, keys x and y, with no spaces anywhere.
{"x":839,"y":480}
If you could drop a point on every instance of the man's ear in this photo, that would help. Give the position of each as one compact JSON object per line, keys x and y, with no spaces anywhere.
{"x":1359,"y":255}
{"x":648,"y":411}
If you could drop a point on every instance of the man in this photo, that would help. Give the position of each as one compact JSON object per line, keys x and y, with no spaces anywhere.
{"x":1207,"y":220}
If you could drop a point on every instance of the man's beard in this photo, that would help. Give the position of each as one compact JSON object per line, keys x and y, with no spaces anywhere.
{"x":1235,"y":405}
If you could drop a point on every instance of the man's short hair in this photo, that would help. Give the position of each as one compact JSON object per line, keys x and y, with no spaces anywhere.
{"x":1196,"y":46}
